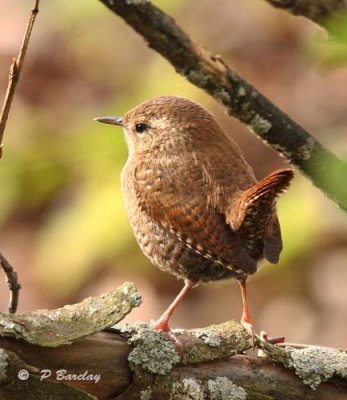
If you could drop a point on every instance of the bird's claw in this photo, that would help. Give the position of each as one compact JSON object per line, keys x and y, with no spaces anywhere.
{"x":249,"y":328}
{"x":163,"y":326}
{"x":263,"y":336}
{"x":266,"y":338}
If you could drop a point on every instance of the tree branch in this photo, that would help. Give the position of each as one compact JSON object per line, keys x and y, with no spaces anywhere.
{"x":105,"y":355}
{"x":316,"y":10}
{"x":241,"y":99}
{"x":46,"y":354}
{"x":63,"y":325}
{"x":15,"y":71}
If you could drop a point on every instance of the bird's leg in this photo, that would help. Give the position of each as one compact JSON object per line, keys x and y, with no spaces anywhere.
{"x":246,"y":317}
{"x":163,"y":322}
{"x":246,"y":321}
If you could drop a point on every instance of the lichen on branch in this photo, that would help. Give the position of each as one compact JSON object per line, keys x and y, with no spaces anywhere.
{"x":63,"y":325}
{"x":211,"y":363}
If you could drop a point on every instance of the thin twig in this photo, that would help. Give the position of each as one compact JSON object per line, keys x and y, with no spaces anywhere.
{"x":12,"y":283}
{"x":241,"y":99}
{"x":15,"y":71}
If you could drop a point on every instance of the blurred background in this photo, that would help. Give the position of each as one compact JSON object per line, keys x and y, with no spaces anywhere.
{"x":62,"y":220}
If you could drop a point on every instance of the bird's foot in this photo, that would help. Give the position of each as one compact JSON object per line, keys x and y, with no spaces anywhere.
{"x":266,"y":338}
{"x":249,"y":328}
{"x":160,"y":325}
{"x":263,"y":336}
{"x":163,"y":326}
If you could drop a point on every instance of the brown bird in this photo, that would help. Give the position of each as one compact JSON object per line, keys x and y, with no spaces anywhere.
{"x":194,"y":205}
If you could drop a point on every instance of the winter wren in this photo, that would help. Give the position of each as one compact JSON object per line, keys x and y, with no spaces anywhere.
{"x":194,"y":205}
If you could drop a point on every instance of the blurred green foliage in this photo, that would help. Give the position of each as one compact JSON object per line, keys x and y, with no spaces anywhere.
{"x":331,"y":49}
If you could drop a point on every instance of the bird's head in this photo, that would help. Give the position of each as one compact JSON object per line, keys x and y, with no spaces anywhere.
{"x":167,"y":124}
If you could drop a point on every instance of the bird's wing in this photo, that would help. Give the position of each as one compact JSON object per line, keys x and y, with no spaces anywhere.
{"x":253,"y":215}
{"x":183,"y":207}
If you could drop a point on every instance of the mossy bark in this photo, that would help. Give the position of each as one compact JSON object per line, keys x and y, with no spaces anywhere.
{"x":134,"y":362}
{"x":63,"y":325}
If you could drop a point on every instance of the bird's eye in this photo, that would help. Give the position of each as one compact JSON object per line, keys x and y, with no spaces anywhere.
{"x":141,"y":128}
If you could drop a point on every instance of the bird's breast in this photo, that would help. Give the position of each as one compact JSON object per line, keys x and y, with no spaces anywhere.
{"x":160,"y":244}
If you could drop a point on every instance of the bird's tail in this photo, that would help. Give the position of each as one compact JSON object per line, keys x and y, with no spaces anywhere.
{"x":265,"y":192}
{"x":256,"y":218}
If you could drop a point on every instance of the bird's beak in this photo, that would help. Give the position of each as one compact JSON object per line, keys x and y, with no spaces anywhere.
{"x":110,"y":120}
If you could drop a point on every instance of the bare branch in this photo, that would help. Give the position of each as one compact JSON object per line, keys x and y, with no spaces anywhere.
{"x":12,"y":283}
{"x":63,"y":325}
{"x":43,"y":351}
{"x":241,"y":99}
{"x":105,"y":354}
{"x":317,"y":10}
{"x":15,"y":71}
